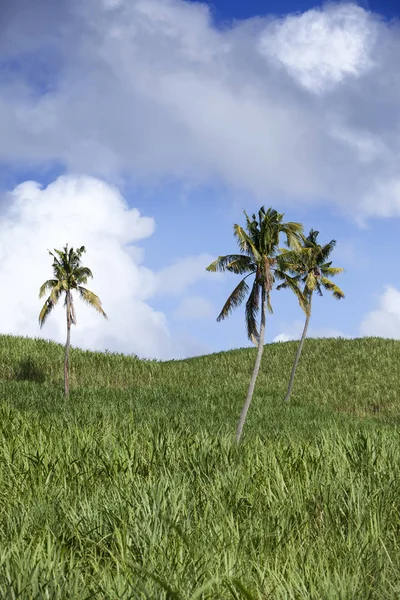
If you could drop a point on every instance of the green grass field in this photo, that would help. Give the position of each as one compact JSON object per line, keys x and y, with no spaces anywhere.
{"x":135,"y":489}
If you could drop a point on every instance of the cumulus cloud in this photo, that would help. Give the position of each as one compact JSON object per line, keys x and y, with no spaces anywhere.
{"x":294,"y":331}
{"x":321,"y":47}
{"x":81,"y":211}
{"x":385,"y":320}
{"x":153,"y":89}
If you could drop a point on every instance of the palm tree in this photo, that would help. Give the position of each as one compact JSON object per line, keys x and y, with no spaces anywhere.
{"x":259,"y":258}
{"x":69,"y":275}
{"x":309,"y":266}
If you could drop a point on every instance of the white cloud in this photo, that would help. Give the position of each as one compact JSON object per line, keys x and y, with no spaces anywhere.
{"x":184,"y":272}
{"x":322,"y":46}
{"x":152,"y":89}
{"x":293,"y":331}
{"x":81,"y":211}
{"x":385,"y":320}
{"x":383,"y":200}
{"x":193,"y":308}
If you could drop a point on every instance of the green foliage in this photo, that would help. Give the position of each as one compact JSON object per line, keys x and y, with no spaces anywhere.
{"x":69,"y":275}
{"x":260,"y":257}
{"x":135,"y":489}
{"x":308,"y":264}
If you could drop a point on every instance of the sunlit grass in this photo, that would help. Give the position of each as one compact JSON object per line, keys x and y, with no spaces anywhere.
{"x":136,"y":490}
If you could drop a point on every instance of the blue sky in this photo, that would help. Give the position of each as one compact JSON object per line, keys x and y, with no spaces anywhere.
{"x":227,"y":9}
{"x":190,"y":113}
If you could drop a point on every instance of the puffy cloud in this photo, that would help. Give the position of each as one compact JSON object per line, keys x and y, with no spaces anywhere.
{"x":322,"y":46}
{"x":175,"y":279}
{"x":385,"y":320}
{"x":152,"y":89}
{"x":294,"y":331}
{"x":81,"y":211}
{"x":194,"y":307}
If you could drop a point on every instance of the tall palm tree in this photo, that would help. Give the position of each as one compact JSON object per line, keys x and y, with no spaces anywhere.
{"x":69,"y":275}
{"x":259,"y":258}
{"x":309,"y":265}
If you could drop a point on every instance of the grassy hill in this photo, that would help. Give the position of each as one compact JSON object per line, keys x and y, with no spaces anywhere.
{"x":357,"y":378}
{"x":134,"y":489}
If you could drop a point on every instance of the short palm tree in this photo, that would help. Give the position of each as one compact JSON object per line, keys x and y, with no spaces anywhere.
{"x":309,"y":265}
{"x":259,"y":258}
{"x":69,"y":275}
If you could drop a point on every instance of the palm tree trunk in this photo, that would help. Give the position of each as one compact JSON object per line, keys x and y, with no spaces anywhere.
{"x":67,"y":347}
{"x":299,"y":349}
{"x":257,"y":365}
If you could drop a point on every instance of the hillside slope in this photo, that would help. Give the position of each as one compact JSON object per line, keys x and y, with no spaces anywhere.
{"x":358,"y":377}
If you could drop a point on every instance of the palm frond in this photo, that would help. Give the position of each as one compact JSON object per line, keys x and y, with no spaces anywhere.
{"x":235,"y":263}
{"x":302,"y":296}
{"x":45,"y":312}
{"x":246,"y":244}
{"x":58,"y":252}
{"x":82,"y":274}
{"x":253,"y":229}
{"x":91,"y":299}
{"x":56,"y":293}
{"x":292,"y":231}
{"x":294,"y":269}
{"x":235,"y":299}
{"x":283,"y":274}
{"x":269,"y":305}
{"x":61,"y":254}
{"x":291,"y":255}
{"x":331,"y":271}
{"x":332,"y":287}
{"x":327,"y":249}
{"x":47,"y":286}
{"x":252,"y":310}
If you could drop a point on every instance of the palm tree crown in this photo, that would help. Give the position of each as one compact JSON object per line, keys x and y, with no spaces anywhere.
{"x":260,"y":257}
{"x":69,"y":275}
{"x":309,"y":266}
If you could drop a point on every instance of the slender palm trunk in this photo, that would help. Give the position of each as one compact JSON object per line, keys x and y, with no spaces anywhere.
{"x":67,"y":347}
{"x":299,"y":349}
{"x":253,"y":380}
